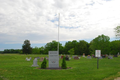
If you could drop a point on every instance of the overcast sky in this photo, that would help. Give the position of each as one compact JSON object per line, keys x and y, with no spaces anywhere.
{"x":37,"y":20}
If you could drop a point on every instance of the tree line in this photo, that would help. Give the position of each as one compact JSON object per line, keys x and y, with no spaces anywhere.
{"x":101,"y":42}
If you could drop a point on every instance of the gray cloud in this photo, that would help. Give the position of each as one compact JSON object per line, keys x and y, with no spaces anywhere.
{"x":37,"y":20}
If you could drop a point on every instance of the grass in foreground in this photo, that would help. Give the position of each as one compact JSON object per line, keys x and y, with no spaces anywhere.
{"x":15,"y":67}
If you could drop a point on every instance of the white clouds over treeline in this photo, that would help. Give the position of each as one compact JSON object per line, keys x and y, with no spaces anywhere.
{"x":37,"y":20}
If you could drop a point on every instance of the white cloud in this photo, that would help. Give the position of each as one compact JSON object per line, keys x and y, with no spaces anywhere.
{"x":36,"y":20}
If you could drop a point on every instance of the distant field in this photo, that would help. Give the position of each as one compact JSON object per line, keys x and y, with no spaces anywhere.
{"x":15,"y":67}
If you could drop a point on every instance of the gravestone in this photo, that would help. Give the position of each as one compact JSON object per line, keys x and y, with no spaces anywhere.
{"x":37,"y":57}
{"x":67,"y":58}
{"x":28,"y":59}
{"x":106,"y":55}
{"x":103,"y":56}
{"x":110,"y":57}
{"x":42,"y":58}
{"x":100,"y":57}
{"x":68,"y":55}
{"x":53,"y":59}
{"x":35,"y":63}
{"x":73,"y":56}
{"x":83,"y":54}
{"x":118,"y":54}
{"x":62,"y":57}
{"x":88,"y":57}
{"x":76,"y":58}
{"x":93,"y":56}
{"x":115,"y":56}
{"x":46,"y":58}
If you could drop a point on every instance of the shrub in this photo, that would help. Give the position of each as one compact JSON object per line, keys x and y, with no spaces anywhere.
{"x":64,"y":66}
{"x":43,"y":65}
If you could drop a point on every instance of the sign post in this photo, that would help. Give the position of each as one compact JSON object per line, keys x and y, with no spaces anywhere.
{"x":97,"y":54}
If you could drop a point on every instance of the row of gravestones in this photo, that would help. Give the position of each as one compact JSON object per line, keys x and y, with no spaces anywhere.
{"x":35,"y":60}
{"x":67,"y":58}
{"x":41,"y":59}
{"x":88,"y":57}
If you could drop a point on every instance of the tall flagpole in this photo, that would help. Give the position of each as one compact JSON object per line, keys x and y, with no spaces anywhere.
{"x":58,"y":31}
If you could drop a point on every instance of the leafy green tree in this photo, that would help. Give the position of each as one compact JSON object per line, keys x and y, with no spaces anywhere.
{"x":71,"y":51}
{"x":117,"y":31}
{"x":52,"y":46}
{"x":115,"y":47}
{"x":64,"y":65}
{"x":42,"y":50}
{"x":82,"y":47}
{"x":69,"y":45}
{"x":36,"y":50}
{"x":100,"y":43}
{"x":26,"y":48}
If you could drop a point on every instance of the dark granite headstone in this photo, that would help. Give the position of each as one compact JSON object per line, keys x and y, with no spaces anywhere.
{"x":103,"y":56}
{"x":115,"y":55}
{"x":42,"y":58}
{"x":67,"y":58}
{"x":76,"y":57}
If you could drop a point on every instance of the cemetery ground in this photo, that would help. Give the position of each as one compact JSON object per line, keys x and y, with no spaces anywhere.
{"x":15,"y":67}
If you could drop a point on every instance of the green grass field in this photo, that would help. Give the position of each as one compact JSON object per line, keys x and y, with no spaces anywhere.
{"x":15,"y":67}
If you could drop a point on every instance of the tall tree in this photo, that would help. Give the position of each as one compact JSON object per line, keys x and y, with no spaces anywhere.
{"x":52,"y":46}
{"x":100,"y":43}
{"x":82,"y":47}
{"x":115,"y":47}
{"x":71,"y":51}
{"x":69,"y":45}
{"x":26,"y":48}
{"x":117,"y":31}
{"x":36,"y":50}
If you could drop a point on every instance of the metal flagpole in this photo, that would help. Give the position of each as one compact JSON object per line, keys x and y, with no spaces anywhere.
{"x":58,"y":31}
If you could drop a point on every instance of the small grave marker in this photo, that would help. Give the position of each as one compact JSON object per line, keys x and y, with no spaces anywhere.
{"x":35,"y":63}
{"x":110,"y":57}
{"x":28,"y":59}
{"x":42,"y":58}
{"x":67,"y":58}
{"x":83,"y":54}
{"x":89,"y":57}
{"x":76,"y":58}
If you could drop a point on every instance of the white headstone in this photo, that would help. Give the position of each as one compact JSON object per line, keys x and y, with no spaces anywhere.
{"x":118,"y":53}
{"x":83,"y":55}
{"x":28,"y":59}
{"x":35,"y":63}
{"x":53,"y":59}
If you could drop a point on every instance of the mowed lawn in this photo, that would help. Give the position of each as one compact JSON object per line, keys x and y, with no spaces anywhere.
{"x":15,"y":67}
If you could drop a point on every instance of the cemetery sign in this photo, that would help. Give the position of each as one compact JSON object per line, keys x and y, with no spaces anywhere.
{"x":53,"y":59}
{"x":97,"y":53}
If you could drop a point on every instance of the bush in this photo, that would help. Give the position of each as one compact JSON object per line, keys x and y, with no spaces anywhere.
{"x":64,"y":66}
{"x":43,"y":65}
